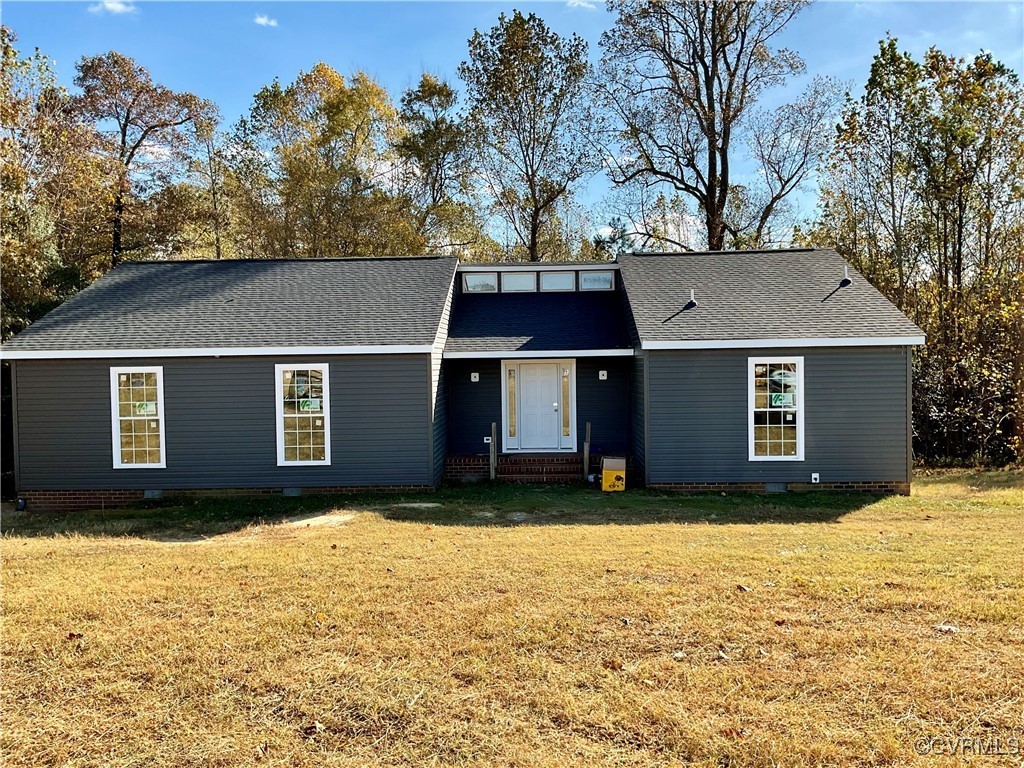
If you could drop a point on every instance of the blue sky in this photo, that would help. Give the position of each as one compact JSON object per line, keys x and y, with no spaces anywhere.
{"x":220,"y":52}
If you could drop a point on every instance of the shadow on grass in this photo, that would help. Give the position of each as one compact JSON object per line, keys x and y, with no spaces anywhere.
{"x":486,"y":504}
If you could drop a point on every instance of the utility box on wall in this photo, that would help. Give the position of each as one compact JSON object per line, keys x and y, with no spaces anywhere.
{"x":613,"y":473}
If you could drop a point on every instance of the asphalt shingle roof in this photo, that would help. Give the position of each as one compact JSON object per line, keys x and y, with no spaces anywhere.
{"x":250,"y":303}
{"x":784,"y":294}
{"x":509,"y":322}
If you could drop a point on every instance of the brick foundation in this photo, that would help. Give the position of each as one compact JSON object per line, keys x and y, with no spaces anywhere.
{"x":884,"y":487}
{"x":49,"y":502}
{"x":467,"y":469}
{"x":457,"y":469}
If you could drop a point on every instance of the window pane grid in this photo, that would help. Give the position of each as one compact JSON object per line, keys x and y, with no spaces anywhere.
{"x":303,"y":427}
{"x":138,"y":418}
{"x":775,"y":410}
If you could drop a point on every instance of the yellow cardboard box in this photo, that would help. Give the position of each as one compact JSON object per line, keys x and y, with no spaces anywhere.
{"x":613,"y":474}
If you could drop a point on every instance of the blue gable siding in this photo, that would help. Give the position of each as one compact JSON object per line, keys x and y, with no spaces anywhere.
{"x":473,"y":406}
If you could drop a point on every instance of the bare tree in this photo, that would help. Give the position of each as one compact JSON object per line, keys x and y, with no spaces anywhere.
{"x":682,"y":78}
{"x":526,"y":91}
{"x":207,"y":160}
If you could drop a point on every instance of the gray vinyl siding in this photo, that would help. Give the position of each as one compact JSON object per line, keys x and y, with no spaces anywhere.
{"x":473,"y":406}
{"x":855,"y":411}
{"x":221,"y":424}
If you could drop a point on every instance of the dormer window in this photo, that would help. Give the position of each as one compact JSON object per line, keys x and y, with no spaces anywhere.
{"x":518,"y":282}
{"x":597,"y":280}
{"x":558,"y":281}
{"x":480,"y":282}
{"x":530,"y":278}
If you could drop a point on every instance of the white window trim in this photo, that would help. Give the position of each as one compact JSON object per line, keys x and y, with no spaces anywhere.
{"x":610,"y":288}
{"x":115,"y":416}
{"x":799,"y":362}
{"x":465,"y":283}
{"x":518,"y":290}
{"x":533,"y":266}
{"x":324,"y":369}
{"x":570,"y":441}
{"x":542,"y":275}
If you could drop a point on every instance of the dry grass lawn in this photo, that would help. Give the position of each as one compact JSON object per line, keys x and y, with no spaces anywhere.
{"x":520,"y":627}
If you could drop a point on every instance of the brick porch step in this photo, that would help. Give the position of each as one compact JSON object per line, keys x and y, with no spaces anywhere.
{"x":556,"y":479}
{"x":519,"y":468}
{"x":540,"y":467}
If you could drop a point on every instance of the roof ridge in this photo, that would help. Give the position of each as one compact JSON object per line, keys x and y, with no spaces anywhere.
{"x":289,"y":259}
{"x":743,"y":252}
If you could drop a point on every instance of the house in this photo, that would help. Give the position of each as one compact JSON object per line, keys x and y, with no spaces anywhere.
{"x":724,"y":370}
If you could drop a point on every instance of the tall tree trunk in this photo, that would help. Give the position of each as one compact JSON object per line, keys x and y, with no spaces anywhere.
{"x":214,"y":199}
{"x":1018,"y":377}
{"x":715,"y":223}
{"x":534,"y":250}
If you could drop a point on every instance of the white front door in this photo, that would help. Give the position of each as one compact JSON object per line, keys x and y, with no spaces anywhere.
{"x":538,"y":387}
{"x":538,"y":398}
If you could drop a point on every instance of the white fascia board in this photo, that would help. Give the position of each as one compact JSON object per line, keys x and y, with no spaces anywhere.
{"x":102,"y":354}
{"x":858,"y":341}
{"x":539,"y":354}
{"x":546,"y":266}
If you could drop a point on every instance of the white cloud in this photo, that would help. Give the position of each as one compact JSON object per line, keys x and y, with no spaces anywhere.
{"x":265,"y":21}
{"x":872,"y":8}
{"x":157,"y":153}
{"x":116,"y":7}
{"x":581,"y":4}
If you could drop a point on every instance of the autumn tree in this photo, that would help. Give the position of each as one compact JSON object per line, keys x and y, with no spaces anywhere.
{"x":680,"y":81}
{"x":526,"y":88}
{"x":53,"y":189}
{"x":206,"y":160}
{"x":435,"y":151}
{"x":922,"y":192}
{"x":143,"y":123}
{"x":313,"y":171}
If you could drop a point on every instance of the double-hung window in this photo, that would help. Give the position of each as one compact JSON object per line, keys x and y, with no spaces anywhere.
{"x":137,"y":417}
{"x":303,"y":414}
{"x":776,"y":408}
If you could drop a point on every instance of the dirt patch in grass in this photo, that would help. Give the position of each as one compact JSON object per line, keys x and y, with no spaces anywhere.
{"x":518,"y":627}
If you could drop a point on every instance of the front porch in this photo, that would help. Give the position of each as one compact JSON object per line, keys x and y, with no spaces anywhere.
{"x":524,"y":407}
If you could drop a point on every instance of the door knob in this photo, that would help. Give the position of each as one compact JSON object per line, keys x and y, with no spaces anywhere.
{"x":555,"y":406}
